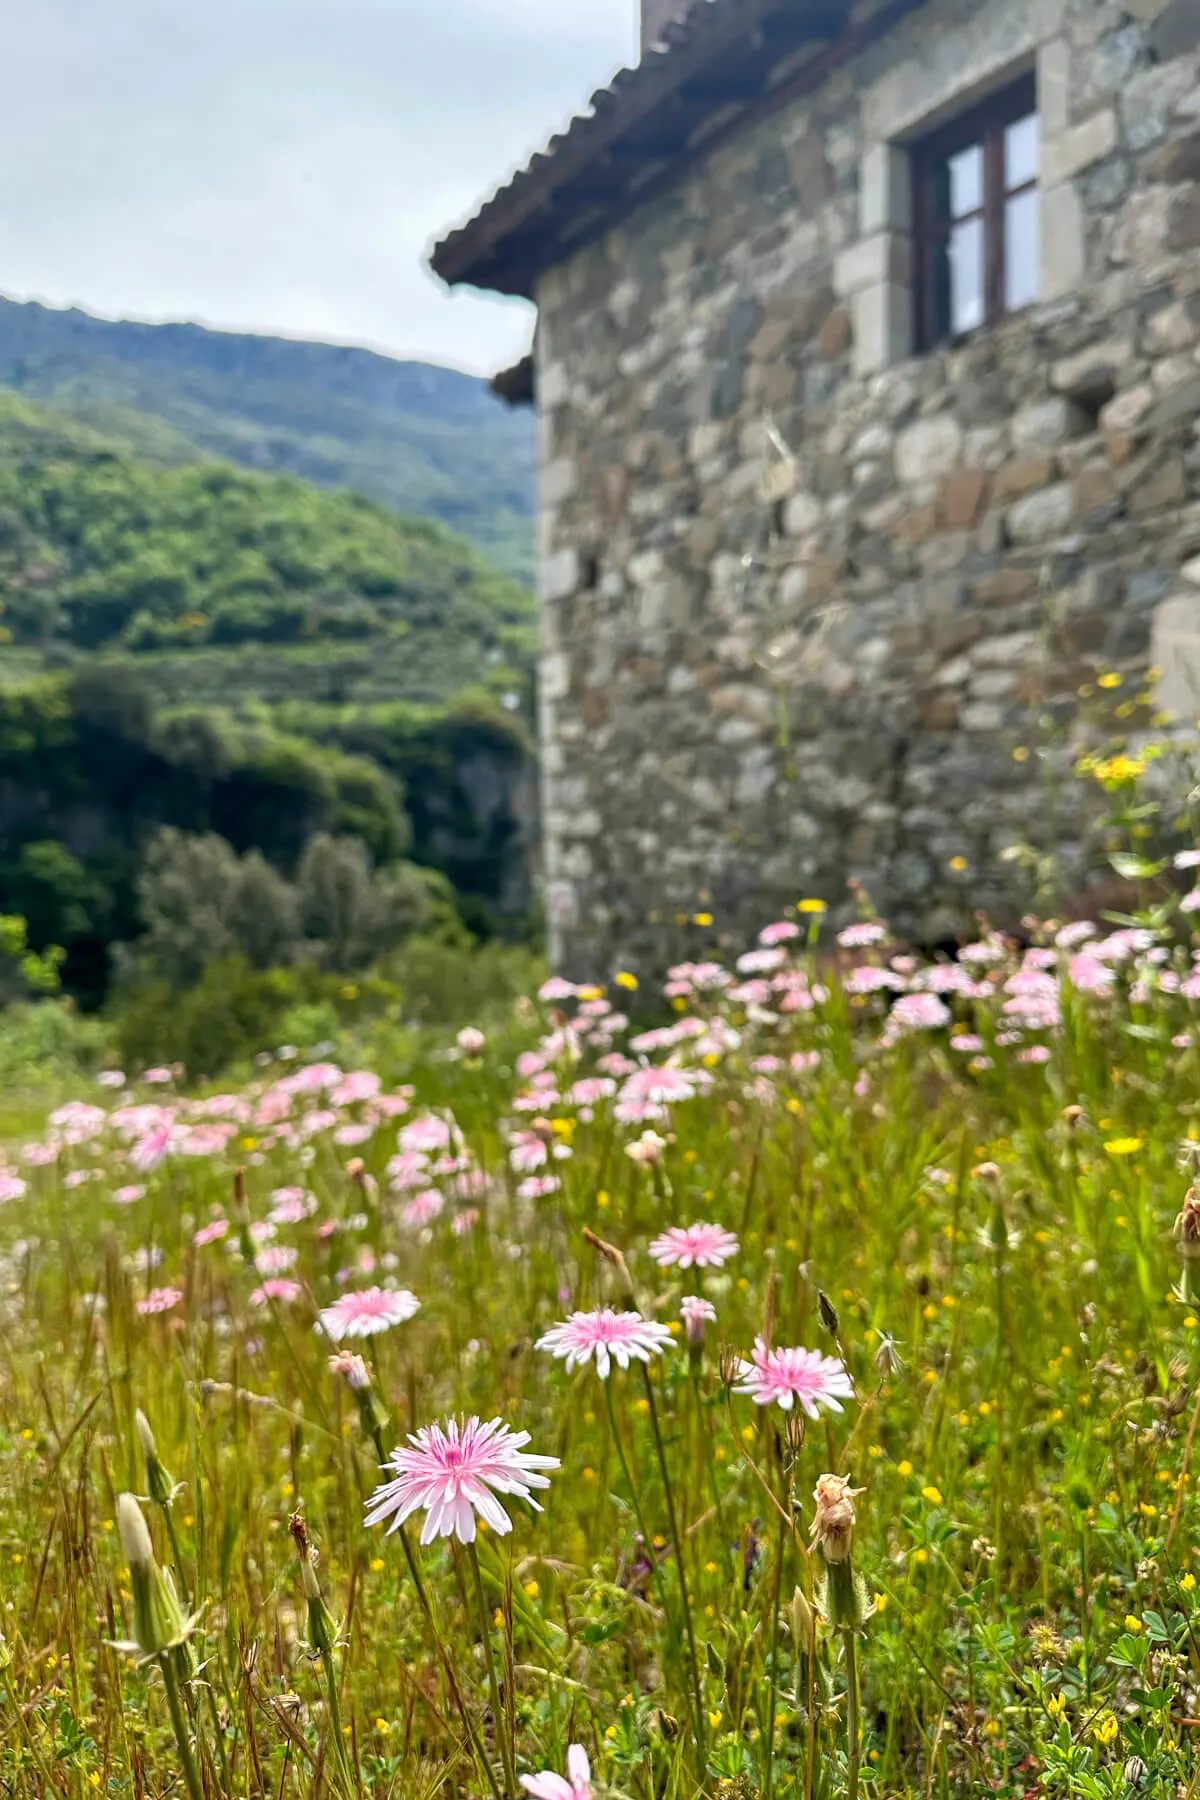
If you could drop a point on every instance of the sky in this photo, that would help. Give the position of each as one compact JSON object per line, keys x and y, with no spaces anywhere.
{"x":281,"y":165}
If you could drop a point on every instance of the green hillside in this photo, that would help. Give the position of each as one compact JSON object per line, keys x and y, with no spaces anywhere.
{"x":420,"y":439}
{"x":198,"y":648}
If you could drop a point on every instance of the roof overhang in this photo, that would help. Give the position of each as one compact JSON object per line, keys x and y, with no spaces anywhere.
{"x":724,"y":62}
{"x":516,"y":386}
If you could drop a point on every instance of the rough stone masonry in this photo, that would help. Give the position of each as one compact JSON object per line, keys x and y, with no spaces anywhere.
{"x":803,"y":592}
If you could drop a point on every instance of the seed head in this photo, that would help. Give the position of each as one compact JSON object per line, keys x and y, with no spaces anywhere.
{"x":887,"y":1357}
{"x":612,"y":1256}
{"x":729,"y":1366}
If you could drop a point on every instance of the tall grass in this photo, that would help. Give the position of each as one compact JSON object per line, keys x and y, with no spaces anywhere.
{"x":960,"y":1184}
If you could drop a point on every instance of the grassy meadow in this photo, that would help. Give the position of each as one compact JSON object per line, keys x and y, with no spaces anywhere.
{"x":960,"y":1185}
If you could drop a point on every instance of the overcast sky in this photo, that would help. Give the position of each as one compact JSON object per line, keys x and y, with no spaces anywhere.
{"x":281,"y":165}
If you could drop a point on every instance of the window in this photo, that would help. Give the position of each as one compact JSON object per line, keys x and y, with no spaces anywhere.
{"x":977,"y":217}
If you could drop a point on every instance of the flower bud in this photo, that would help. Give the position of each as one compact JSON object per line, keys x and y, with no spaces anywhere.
{"x":354,"y":1372}
{"x":697,"y":1314}
{"x":322,"y":1632}
{"x":804,"y":1623}
{"x":616,"y":1261}
{"x":160,"y":1484}
{"x":828,"y":1312}
{"x":158,"y":1622}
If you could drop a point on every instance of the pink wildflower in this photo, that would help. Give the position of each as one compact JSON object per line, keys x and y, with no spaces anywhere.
{"x":160,"y":1300}
{"x":11,"y":1186}
{"x":694,"y":1246}
{"x":862,"y":935}
{"x":424,"y":1134}
{"x":470,"y":1040}
{"x":604,"y":1334}
{"x":211,"y":1234}
{"x":536,"y":1187}
{"x":576,"y":1784}
{"x":790,"y":1375}
{"x":279,"y":1288}
{"x":149,"y":1151}
{"x":463,"y":1223}
{"x":455,"y":1471}
{"x":658,"y":1087}
{"x":920,"y":1012}
{"x":275,"y":1258}
{"x":367,"y":1312}
{"x":779,"y":932}
{"x":125,"y":1196}
{"x":423,"y":1208}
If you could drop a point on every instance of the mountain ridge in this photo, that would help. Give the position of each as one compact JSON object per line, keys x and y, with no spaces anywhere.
{"x":421,"y":438}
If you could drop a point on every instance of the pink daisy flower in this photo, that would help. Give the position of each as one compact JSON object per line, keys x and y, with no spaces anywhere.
{"x":160,"y":1300}
{"x":658,"y":1086}
{"x":455,"y":1471}
{"x":423,"y":1208}
{"x":211,"y":1234}
{"x":778,"y":933}
{"x":694,"y":1246}
{"x":275,"y":1259}
{"x":790,"y":1375}
{"x":367,"y":1312}
{"x":576,"y":1784}
{"x":279,"y":1288}
{"x":605,"y":1334}
{"x":125,"y":1196}
{"x":463,"y":1223}
{"x":149,"y":1151}
{"x":862,"y":935}
{"x":11,"y":1186}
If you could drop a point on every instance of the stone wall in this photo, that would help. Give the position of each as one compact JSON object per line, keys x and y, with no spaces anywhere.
{"x":800,"y":606}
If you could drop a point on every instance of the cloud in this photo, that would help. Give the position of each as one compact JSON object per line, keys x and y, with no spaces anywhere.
{"x":281,"y":165}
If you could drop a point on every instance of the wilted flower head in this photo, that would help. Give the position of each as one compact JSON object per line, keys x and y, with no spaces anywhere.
{"x":1187,"y":1226}
{"x":605,"y":1334}
{"x":352,"y":1369}
{"x":887,"y":1357}
{"x":834,"y":1519}
{"x":455,"y":1471}
{"x":647,"y":1149}
{"x":575,"y":1785}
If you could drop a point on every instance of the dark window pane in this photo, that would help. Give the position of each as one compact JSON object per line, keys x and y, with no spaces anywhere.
{"x":966,"y":181}
{"x":966,"y":276}
{"x":1021,"y":152}
{"x":1022,"y":249}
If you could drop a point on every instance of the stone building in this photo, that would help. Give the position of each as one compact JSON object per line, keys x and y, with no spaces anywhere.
{"x":867,"y":371}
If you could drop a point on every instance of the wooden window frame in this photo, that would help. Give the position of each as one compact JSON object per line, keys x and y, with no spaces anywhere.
{"x":985,"y":125}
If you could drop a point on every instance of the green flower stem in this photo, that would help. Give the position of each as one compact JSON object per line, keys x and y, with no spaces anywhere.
{"x":852,"y":1727}
{"x":677,"y":1543}
{"x":456,"y":1693}
{"x":179,"y":1725}
{"x":781,"y":1545}
{"x":485,"y":1626}
{"x":335,"y":1718}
